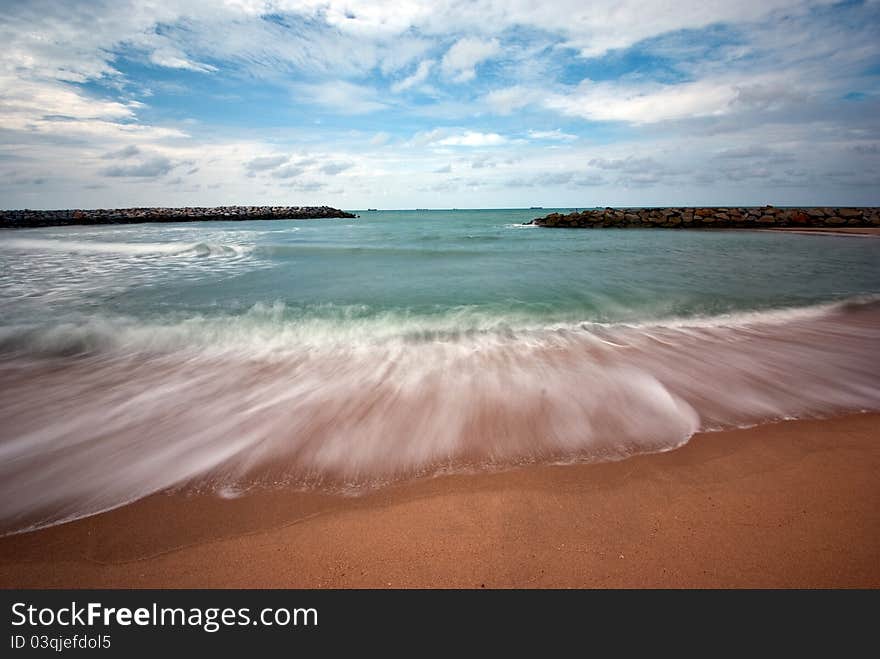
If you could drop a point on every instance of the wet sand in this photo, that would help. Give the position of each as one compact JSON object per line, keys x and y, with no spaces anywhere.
{"x":792,"y":504}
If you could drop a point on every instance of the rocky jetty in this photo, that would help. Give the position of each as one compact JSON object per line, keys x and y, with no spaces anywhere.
{"x":763,"y":217}
{"x":15,"y":219}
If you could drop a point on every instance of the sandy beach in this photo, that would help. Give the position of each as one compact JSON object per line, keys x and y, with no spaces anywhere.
{"x":791,"y":504}
{"x":518,"y":295}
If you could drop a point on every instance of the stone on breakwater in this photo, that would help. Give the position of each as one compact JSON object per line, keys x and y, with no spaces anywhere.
{"x":13,"y":219}
{"x":766,"y":217}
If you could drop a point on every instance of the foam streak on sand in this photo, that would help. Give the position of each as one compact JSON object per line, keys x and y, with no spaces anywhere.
{"x":115,"y":416}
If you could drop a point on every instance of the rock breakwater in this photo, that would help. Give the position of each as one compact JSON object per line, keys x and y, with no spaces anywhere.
{"x":762,"y":217}
{"x":14,"y":219}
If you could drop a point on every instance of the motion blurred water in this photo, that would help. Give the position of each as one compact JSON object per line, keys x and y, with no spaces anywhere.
{"x":345,"y":354}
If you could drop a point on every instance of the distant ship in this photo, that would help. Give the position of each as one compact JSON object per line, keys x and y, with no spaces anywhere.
{"x":536,"y":208}
{"x":372,"y":209}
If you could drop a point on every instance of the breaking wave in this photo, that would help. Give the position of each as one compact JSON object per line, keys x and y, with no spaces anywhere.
{"x":98,"y":413}
{"x":125,"y":249}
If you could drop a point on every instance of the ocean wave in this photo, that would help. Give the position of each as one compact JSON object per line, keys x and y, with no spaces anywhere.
{"x":124,"y":409}
{"x":283,"y":250}
{"x":214,"y":249}
{"x":125,"y":249}
{"x":267,"y":329}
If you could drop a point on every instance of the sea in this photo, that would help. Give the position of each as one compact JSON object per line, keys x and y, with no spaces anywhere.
{"x":345,"y":355}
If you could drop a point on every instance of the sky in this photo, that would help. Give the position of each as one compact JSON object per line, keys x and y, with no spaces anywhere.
{"x":439,"y":104}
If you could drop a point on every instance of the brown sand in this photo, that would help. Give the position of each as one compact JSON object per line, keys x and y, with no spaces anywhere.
{"x":792,"y":504}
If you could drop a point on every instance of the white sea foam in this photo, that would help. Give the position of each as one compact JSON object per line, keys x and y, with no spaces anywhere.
{"x":123,"y":409}
{"x":128,"y":249}
{"x":276,"y":329}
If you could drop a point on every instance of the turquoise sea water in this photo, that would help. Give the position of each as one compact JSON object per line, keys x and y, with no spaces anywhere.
{"x":443,"y":269}
{"x":345,"y":354}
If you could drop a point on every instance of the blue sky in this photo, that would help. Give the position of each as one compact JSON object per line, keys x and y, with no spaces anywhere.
{"x":438,"y":104}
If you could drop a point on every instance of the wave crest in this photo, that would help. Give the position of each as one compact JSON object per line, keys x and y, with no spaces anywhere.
{"x":132,"y":409}
{"x":125,"y":249}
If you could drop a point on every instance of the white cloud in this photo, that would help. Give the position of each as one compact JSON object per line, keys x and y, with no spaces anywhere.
{"x":553,"y":135}
{"x":172,"y":58}
{"x":24,"y":101}
{"x":779,"y":86}
{"x":333,"y":168}
{"x":473,"y":138}
{"x":305,"y":186}
{"x":341,"y":97}
{"x":509,"y":99}
{"x":653,"y":103}
{"x":158,"y":166}
{"x":263,"y":163}
{"x":400,"y":52}
{"x":751,"y":151}
{"x":426,"y":137}
{"x":595,"y":28}
{"x":366,"y":17}
{"x":630,"y":164}
{"x":287,"y":171}
{"x":460,"y":61}
{"x":481,"y":162}
{"x":418,"y":77}
{"x":124,"y":152}
{"x":76,"y":41}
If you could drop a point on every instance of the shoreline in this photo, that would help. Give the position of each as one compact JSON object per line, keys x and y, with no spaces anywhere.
{"x":789,"y":504}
